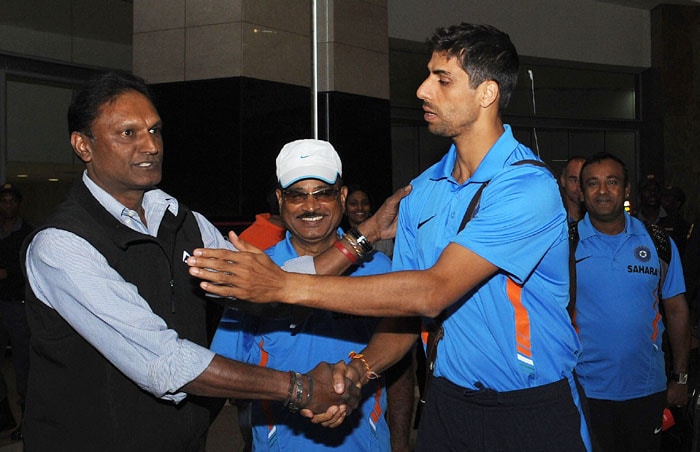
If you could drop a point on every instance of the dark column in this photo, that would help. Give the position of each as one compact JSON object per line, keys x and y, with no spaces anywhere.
{"x":674,"y":136}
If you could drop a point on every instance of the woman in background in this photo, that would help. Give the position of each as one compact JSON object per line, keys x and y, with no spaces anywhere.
{"x":359,"y":206}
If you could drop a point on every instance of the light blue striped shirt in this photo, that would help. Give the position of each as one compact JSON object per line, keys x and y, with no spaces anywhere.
{"x":66,"y":273}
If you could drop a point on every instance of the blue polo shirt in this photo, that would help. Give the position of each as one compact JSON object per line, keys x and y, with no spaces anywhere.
{"x":511,"y":332}
{"x":617,"y":311}
{"x":323,"y":336}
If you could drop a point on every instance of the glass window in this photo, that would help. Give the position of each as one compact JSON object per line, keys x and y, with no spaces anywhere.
{"x":39,"y":158}
{"x":562,"y":92}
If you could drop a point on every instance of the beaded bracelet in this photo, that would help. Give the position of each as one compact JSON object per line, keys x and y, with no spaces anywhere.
{"x":345,"y":251}
{"x":372,"y":375}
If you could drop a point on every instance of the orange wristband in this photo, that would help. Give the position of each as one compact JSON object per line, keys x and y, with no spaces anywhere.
{"x":372,"y":375}
{"x":345,"y":251}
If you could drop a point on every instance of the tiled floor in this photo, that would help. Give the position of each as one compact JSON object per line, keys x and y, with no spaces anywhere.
{"x":224,"y":435}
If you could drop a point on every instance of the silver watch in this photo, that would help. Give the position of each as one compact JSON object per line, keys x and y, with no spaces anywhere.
{"x":681,"y":378}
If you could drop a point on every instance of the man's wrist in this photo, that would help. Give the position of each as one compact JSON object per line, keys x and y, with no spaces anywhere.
{"x":299,"y":394}
{"x":679,"y":377}
{"x":366,"y":373}
{"x":367,"y":229}
{"x":360,"y":240}
{"x":359,"y":368}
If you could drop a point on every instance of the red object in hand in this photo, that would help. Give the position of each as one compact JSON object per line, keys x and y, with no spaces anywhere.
{"x":667,"y":421}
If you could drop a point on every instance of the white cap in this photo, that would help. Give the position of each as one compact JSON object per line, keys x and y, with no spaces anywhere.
{"x":308,"y":159}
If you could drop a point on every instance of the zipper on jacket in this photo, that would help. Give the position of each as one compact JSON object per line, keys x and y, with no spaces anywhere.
{"x":172,"y":296}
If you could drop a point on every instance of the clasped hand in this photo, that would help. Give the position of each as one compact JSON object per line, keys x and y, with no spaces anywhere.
{"x":338,"y":401}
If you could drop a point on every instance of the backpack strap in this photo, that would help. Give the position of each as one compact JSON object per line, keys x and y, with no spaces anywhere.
{"x":573,"y":243}
{"x":662,"y":243}
{"x":469,"y":214}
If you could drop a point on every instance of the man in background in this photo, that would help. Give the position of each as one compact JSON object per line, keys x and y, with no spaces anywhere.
{"x":267,"y":229}
{"x":623,"y":279}
{"x":652,"y":210}
{"x":572,"y":189}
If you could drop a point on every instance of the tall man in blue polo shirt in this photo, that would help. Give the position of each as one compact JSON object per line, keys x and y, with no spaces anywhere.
{"x":618,"y":294}
{"x":503,"y":375}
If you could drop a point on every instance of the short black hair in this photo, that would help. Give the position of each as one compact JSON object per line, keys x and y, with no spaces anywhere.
{"x":358,"y":187}
{"x":599,"y":157}
{"x":484,"y":52}
{"x":99,"y":90}
{"x":11,"y":189}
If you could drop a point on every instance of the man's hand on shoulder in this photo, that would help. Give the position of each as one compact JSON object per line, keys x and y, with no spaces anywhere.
{"x":382,"y":225}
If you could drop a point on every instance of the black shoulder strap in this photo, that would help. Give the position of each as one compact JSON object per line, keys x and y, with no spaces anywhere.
{"x":477,"y":196}
{"x":472,"y":206}
{"x":661,"y":240}
{"x":662,"y":243}
{"x":573,"y":243}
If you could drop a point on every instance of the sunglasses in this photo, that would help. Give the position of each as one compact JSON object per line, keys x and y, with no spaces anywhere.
{"x":298,"y":197}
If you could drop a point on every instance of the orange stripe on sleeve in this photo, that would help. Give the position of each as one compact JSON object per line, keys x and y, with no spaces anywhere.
{"x":522,"y":322}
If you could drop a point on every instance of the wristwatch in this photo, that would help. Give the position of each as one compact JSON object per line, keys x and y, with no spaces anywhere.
{"x":681,"y":378}
{"x":361,"y":240}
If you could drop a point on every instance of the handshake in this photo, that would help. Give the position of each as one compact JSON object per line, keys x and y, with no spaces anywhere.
{"x":329,"y":392}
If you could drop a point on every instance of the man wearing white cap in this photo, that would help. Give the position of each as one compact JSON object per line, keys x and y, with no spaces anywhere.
{"x":311,"y":196}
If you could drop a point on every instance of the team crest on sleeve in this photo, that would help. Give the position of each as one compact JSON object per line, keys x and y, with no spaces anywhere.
{"x":642,"y":253}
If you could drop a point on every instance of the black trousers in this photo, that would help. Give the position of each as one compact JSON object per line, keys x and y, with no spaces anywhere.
{"x":627,"y":426}
{"x":14,"y":321}
{"x":544,"y":418}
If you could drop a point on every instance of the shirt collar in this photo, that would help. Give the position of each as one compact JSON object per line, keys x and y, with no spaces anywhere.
{"x":586,"y":229}
{"x":155,"y":202}
{"x":290,"y":247}
{"x":494,"y":160}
